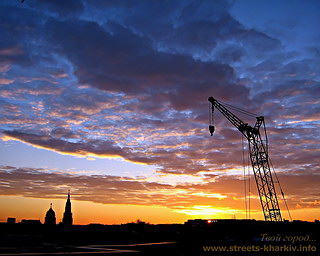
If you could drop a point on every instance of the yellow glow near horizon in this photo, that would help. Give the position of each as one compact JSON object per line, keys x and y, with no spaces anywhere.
{"x":84,"y":212}
{"x":210,"y":195}
{"x":208,"y":212}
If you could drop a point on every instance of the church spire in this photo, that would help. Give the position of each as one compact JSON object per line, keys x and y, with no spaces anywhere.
{"x":67,"y":216}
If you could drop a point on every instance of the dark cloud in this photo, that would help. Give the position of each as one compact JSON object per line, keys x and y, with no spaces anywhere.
{"x":62,"y":10}
{"x":97,"y":147}
{"x":17,"y":28}
{"x":64,"y":133}
{"x":125,"y":62}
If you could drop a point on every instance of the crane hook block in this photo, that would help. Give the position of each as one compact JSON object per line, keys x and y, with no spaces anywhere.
{"x":211,"y":129}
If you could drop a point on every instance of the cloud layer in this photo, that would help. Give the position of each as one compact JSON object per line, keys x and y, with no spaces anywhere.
{"x":131,"y":79}
{"x":218,"y":193}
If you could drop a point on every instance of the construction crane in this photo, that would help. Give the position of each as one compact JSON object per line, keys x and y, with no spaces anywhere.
{"x":258,"y":149}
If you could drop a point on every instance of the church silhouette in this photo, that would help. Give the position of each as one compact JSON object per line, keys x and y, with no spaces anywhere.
{"x":67,"y":220}
{"x":50,"y":219}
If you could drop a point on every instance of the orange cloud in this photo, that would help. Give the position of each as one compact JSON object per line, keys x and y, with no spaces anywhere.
{"x":5,"y":81}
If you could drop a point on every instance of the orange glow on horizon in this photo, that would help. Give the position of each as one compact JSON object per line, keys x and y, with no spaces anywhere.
{"x":87,"y":212}
{"x":209,"y":212}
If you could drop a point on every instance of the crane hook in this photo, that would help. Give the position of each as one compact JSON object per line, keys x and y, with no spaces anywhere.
{"x":211,"y":129}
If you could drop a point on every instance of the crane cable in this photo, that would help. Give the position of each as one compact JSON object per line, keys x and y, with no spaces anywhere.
{"x":238,"y":109}
{"x":283,"y":197}
{"x":247,"y":180}
{"x":246,"y":174}
{"x":249,"y":185}
{"x":210,"y":112}
{"x":244,"y":178}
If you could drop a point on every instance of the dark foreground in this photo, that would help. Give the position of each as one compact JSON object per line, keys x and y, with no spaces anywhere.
{"x":129,"y":239}
{"x":196,"y":238}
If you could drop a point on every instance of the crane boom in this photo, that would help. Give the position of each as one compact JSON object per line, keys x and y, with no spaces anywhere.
{"x":259,"y":160}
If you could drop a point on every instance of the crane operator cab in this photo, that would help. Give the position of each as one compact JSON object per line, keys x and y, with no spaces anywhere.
{"x":211,"y":129}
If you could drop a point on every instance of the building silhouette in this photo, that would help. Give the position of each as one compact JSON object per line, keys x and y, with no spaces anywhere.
{"x":11,"y":220}
{"x":50,"y":219}
{"x":67,"y":216}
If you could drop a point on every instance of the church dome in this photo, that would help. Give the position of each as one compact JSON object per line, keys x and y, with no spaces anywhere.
{"x":50,"y":218}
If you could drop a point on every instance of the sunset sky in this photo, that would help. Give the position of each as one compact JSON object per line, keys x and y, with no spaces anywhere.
{"x":109,"y":99}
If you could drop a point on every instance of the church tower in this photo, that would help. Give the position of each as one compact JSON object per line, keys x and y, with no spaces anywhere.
{"x":67,"y":216}
{"x":50,"y":219}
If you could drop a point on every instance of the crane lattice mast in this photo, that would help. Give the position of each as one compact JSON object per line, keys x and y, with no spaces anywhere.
{"x":259,"y":160}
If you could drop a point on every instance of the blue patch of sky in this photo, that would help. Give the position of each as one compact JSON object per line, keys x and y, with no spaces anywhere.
{"x":295,"y":22}
{"x":18,"y":154}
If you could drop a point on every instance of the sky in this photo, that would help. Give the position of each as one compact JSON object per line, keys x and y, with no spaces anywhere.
{"x":110,"y":100}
